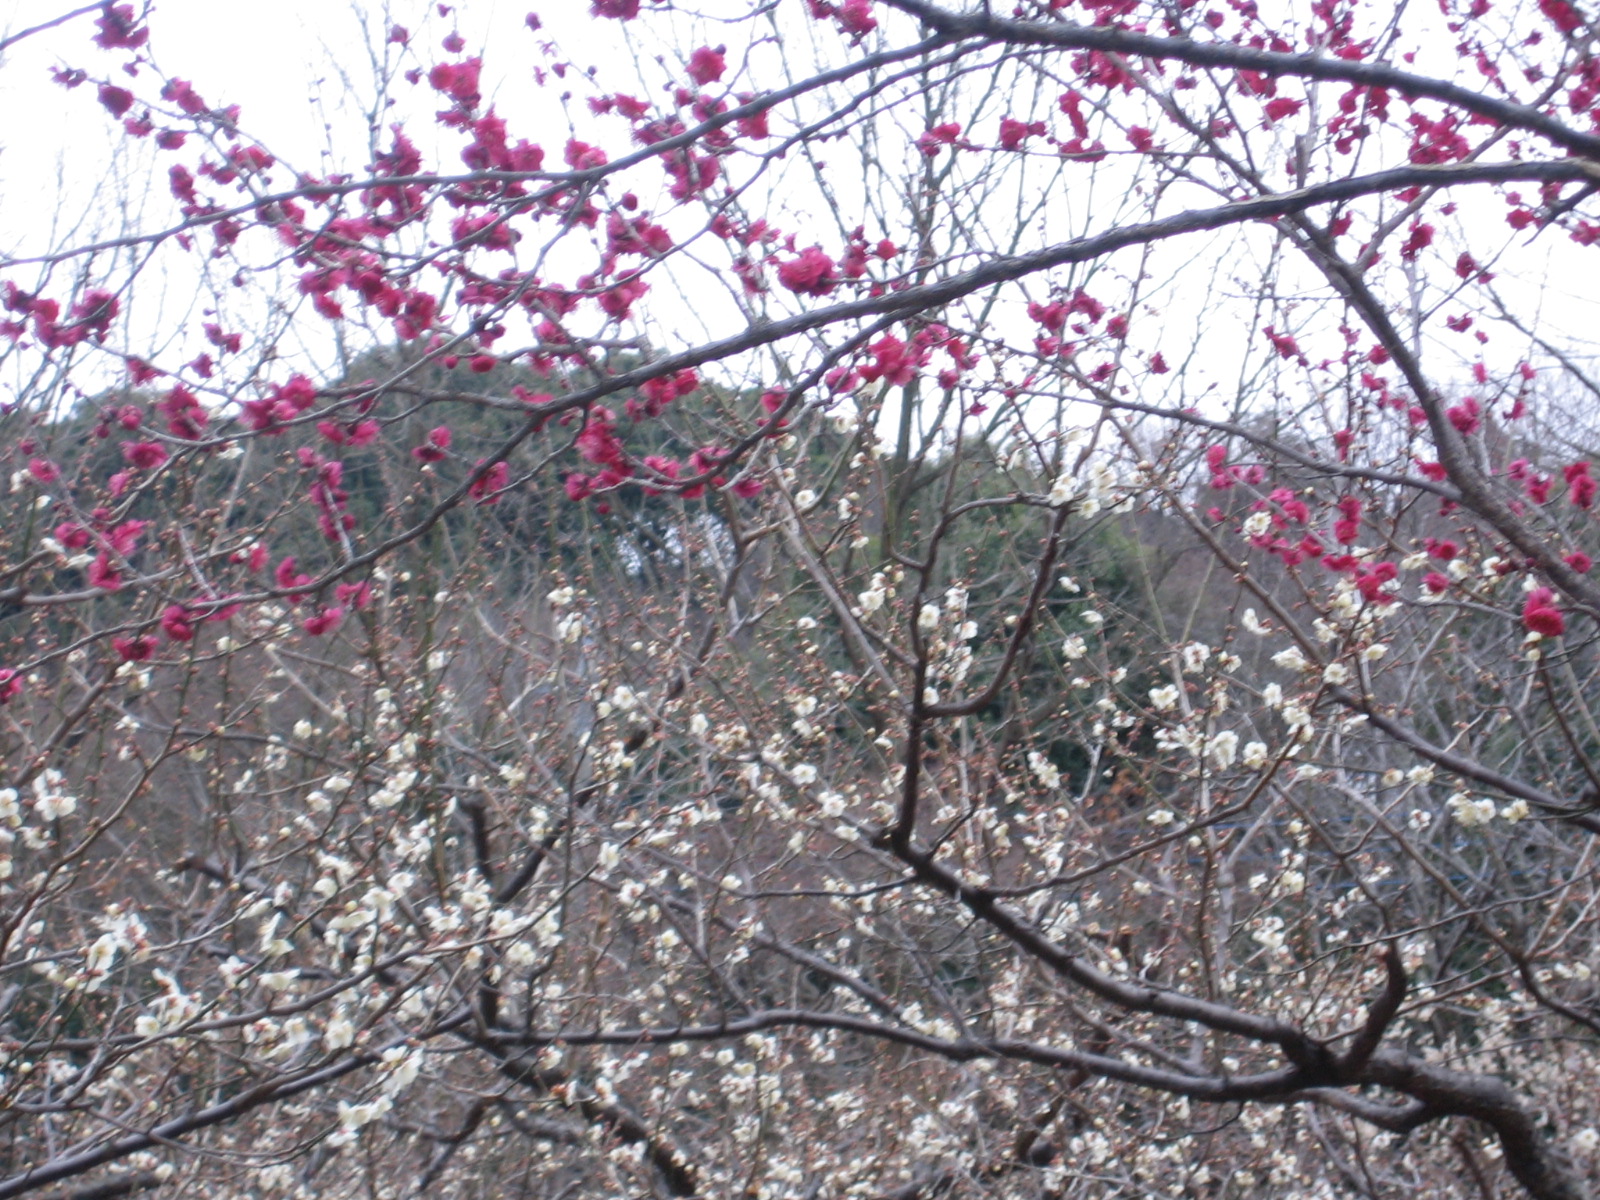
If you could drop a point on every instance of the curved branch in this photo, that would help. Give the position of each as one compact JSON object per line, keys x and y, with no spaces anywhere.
{"x":1535,"y":1161}
{"x":1315,"y":65}
{"x":67,"y":1165}
{"x":1380,"y":1015}
{"x":1467,"y":768}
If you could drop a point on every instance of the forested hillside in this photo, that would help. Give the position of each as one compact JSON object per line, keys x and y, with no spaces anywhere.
{"x":808,"y":600}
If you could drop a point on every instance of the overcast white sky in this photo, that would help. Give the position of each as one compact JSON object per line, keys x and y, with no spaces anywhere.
{"x":280,"y":61}
{"x":301,"y":71}
{"x":298,"y":68}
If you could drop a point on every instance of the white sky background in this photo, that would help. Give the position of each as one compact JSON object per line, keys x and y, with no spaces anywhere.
{"x":301,"y":73}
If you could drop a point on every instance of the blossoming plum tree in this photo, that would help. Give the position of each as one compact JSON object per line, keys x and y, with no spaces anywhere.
{"x":924,"y":600}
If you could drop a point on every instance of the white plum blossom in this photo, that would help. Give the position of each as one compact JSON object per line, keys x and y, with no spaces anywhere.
{"x":1470,"y":813}
{"x":1271,"y":937}
{"x":1045,"y":771}
{"x":1164,"y":698}
{"x":394,"y":790}
{"x":521,"y":955}
{"x":1222,"y":749}
{"x":98,"y":959}
{"x":50,"y":799}
{"x":1292,"y":659}
{"x":871,"y":600}
{"x":339,"y":1033}
{"x":353,"y":1117}
{"x":1181,"y":737}
{"x":402,"y":1066}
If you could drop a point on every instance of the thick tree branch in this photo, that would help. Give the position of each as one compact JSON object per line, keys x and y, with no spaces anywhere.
{"x":984,"y":26}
